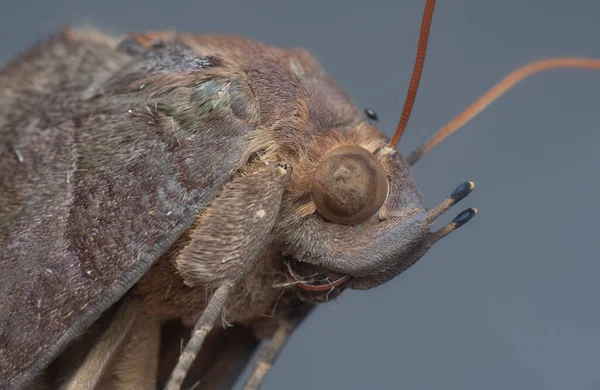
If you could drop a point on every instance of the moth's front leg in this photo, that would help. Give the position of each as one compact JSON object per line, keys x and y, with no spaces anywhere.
{"x":226,"y":244}
{"x":277,"y":341}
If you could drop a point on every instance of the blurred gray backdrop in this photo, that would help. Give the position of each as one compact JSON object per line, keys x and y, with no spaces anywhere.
{"x":510,"y":301}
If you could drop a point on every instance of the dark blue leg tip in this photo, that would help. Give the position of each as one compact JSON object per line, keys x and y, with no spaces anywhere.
{"x":462,"y":191}
{"x":464,"y":217}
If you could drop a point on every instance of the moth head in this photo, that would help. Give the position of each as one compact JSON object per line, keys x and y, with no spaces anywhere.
{"x":369,"y":222}
{"x":366,"y":223}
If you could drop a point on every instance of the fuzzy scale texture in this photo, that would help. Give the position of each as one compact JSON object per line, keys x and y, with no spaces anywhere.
{"x":105,"y":182}
{"x":113,"y":153}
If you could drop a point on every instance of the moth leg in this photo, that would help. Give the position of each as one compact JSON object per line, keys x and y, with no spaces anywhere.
{"x":271,"y":351}
{"x":225,"y":246}
{"x":105,"y":350}
{"x":203,"y":327}
{"x":268,"y":356}
{"x":137,"y":365}
{"x":231,"y":353}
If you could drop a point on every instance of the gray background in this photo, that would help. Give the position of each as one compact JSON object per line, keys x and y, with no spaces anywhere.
{"x":510,"y":301}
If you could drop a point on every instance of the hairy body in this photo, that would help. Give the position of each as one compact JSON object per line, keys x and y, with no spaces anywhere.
{"x":149,"y":173}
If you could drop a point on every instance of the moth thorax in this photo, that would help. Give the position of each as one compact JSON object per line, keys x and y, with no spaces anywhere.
{"x":350,"y":185}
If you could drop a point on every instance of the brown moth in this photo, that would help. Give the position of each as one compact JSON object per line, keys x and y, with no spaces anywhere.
{"x":164,"y":183}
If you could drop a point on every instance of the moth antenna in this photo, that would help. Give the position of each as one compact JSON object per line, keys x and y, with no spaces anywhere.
{"x":203,"y":327}
{"x":411,"y":95}
{"x":497,"y":91}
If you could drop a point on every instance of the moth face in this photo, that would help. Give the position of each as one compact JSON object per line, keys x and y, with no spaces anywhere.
{"x":366,"y":216}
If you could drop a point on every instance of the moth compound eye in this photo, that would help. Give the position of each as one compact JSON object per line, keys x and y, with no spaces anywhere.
{"x":350,"y":185}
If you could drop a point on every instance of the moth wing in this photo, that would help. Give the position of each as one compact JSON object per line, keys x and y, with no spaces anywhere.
{"x":107,"y":158}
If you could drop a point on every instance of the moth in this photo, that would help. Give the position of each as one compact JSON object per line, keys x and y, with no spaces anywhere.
{"x":167,"y":187}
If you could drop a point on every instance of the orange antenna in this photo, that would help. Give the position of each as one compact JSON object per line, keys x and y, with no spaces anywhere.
{"x":416,"y":74}
{"x":495,"y":92}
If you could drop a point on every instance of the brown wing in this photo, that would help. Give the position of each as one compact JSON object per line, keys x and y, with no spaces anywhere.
{"x":106,"y":159}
